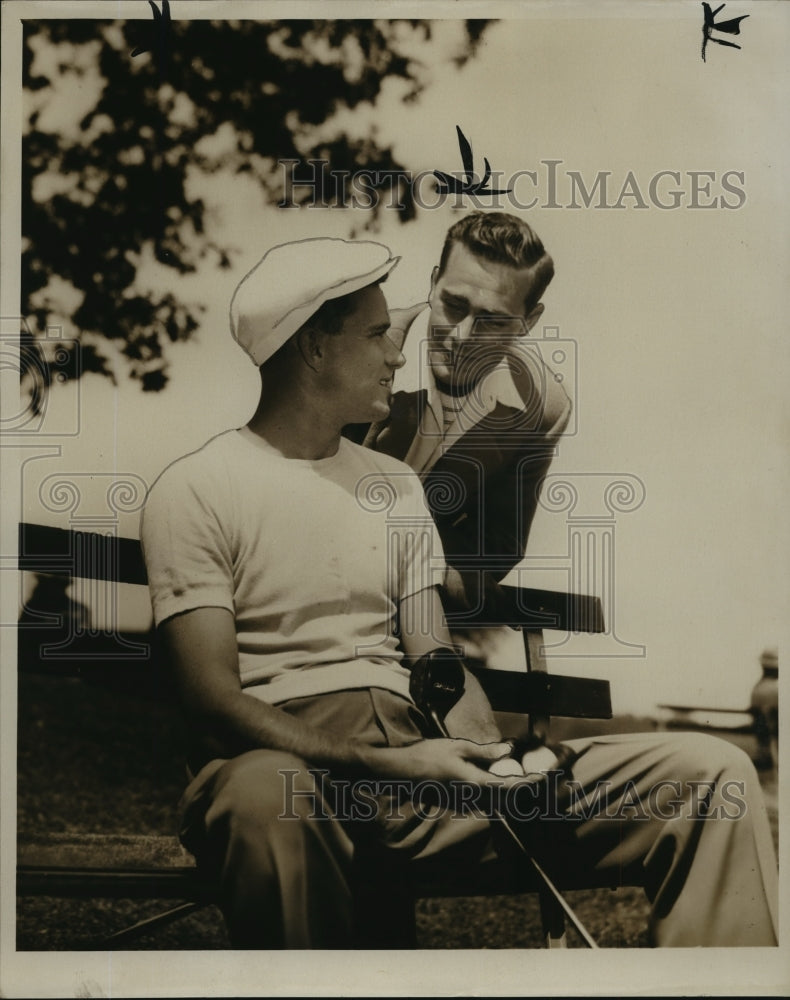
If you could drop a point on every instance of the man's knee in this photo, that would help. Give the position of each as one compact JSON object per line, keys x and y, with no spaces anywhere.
{"x":697,"y":756}
{"x":265,"y":787}
{"x":281,"y":883}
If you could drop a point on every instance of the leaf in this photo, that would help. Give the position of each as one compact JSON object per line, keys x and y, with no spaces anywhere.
{"x":466,"y":154}
{"x":709,"y":14}
{"x":732,"y":27}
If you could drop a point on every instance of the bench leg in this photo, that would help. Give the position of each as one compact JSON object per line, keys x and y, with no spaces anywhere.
{"x":553,"y":920}
{"x":384,"y":916}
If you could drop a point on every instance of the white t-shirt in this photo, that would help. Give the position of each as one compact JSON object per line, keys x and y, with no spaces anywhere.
{"x":311,"y":557}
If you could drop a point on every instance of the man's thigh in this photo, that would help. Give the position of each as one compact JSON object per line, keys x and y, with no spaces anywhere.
{"x":624,"y":792}
{"x":403,"y":820}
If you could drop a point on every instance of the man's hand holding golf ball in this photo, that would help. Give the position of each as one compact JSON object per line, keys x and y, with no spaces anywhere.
{"x":532,"y":763}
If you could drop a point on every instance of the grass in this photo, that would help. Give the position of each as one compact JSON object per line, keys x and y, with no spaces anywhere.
{"x":108,"y":760}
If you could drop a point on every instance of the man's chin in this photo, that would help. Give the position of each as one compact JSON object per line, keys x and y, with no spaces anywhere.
{"x":445,"y":374}
{"x":380,"y":410}
{"x":454,"y":381}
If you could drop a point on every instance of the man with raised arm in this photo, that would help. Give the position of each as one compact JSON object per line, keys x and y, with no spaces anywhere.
{"x":476,"y":412}
{"x":294,"y":579}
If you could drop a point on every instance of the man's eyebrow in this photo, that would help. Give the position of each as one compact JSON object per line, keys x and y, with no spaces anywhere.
{"x":379,"y":328}
{"x":462,"y":300}
{"x":452,"y":297}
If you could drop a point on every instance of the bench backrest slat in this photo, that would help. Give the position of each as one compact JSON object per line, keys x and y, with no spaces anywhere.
{"x":89,"y":554}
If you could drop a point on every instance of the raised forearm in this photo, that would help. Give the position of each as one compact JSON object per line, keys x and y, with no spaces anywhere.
{"x":472,"y":717}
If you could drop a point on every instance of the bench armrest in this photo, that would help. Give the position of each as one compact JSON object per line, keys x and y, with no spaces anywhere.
{"x":528,"y":608}
{"x":540,"y":693}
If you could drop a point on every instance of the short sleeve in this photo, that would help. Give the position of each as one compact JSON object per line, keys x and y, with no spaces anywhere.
{"x":187,"y":554}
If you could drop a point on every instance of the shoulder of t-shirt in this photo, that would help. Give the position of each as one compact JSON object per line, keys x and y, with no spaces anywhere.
{"x":199,"y":466}
{"x":376,"y":460}
{"x":403,"y":478}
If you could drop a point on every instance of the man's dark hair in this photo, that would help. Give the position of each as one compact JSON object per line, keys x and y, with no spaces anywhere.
{"x":329,"y":317}
{"x":504,"y":239}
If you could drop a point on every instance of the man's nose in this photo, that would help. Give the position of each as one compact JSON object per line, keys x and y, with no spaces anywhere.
{"x":395,"y":357}
{"x":462,"y":331}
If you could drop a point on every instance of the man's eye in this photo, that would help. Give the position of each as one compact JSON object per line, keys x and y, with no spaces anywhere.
{"x":454,"y":309}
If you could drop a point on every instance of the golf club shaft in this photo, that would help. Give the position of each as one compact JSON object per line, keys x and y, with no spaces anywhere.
{"x":503,"y":821}
{"x":580,"y":928}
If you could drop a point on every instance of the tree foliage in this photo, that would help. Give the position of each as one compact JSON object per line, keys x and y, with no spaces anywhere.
{"x":122,"y":178}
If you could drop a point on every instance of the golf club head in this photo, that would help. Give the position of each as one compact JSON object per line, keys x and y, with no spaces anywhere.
{"x":437,"y":682}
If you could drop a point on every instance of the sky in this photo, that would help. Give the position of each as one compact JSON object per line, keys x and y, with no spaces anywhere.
{"x":670,"y":321}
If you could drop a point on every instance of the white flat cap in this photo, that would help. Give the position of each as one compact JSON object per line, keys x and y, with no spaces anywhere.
{"x":293,"y":280}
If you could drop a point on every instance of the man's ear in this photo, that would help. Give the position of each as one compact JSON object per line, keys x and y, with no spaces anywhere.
{"x":531,"y":318}
{"x":309,"y":343}
{"x":434,"y":279}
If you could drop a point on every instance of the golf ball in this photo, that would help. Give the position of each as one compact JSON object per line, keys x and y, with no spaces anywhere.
{"x":506,"y":766}
{"x":536,"y":762}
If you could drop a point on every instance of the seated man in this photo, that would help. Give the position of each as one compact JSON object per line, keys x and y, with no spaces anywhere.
{"x":476,"y":411}
{"x":294,"y":579}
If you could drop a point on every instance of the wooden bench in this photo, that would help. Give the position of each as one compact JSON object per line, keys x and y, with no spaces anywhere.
{"x":97,"y":865}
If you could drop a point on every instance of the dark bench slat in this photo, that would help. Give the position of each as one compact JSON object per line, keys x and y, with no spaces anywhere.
{"x":530,"y":608}
{"x":108,"y":557}
{"x":112,"y":866}
{"x":549,"y":694}
{"x":43,"y":548}
{"x":112,"y":883}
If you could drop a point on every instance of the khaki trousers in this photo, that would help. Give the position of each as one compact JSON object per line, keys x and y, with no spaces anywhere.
{"x":681,"y":814}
